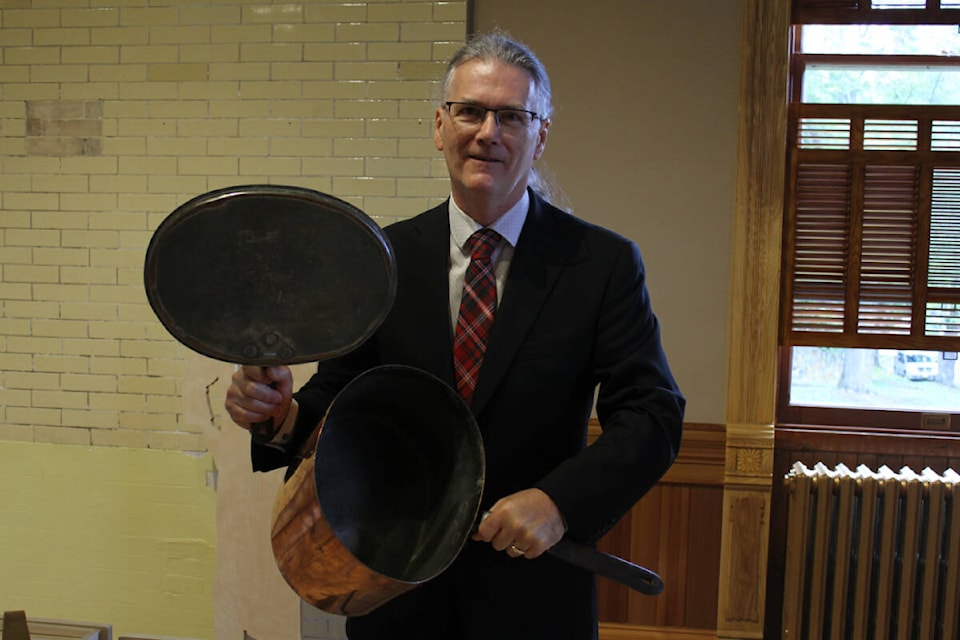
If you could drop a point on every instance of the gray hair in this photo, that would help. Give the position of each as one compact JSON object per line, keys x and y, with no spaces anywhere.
{"x":497,"y":45}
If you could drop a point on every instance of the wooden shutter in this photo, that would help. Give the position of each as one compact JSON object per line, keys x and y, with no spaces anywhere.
{"x":875,"y":12}
{"x":872,"y":249}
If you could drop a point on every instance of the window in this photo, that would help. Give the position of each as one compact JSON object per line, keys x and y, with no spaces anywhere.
{"x":870,"y":323}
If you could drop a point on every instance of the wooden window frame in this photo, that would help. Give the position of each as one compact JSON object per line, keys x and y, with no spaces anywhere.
{"x":859,"y":160}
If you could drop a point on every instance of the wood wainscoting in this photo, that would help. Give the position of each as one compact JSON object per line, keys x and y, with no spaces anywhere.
{"x":675,"y":531}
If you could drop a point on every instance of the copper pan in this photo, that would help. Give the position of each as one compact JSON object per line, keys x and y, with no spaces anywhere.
{"x":386,"y":498}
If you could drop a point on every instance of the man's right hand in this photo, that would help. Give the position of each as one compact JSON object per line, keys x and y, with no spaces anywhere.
{"x":257,"y":394}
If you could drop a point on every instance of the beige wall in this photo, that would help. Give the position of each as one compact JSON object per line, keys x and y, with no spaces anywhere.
{"x":644,"y":141}
{"x":112,"y":115}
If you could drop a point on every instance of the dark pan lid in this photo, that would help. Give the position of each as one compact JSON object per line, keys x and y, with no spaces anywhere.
{"x":267,"y":275}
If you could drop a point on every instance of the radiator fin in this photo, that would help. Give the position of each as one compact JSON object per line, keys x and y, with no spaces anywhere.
{"x":871,"y":555}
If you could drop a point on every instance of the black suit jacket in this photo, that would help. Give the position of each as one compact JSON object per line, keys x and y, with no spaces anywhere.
{"x":574,"y":325}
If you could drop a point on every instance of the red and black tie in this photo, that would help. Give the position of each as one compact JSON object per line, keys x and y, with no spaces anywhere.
{"x":477,"y":307}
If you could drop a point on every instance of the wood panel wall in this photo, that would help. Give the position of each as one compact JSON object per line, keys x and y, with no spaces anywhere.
{"x":832,"y":447}
{"x":674,"y":530}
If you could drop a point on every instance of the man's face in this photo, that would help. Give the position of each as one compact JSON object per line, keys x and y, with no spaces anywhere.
{"x":489,"y":168}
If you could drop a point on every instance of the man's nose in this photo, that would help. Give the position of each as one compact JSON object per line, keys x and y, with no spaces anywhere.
{"x":490,"y":125}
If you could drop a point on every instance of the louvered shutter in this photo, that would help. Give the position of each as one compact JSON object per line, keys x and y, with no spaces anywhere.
{"x":872,"y":247}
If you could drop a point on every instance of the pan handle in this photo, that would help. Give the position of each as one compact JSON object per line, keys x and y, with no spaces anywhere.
{"x":609,"y":566}
{"x":604,"y":564}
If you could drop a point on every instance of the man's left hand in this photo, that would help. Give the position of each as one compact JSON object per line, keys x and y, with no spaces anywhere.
{"x":526,"y":524}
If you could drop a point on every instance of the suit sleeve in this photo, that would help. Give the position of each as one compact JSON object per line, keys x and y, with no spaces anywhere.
{"x":639,"y":407}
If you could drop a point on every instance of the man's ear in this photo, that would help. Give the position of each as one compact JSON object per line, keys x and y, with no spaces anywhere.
{"x":437,"y":123}
{"x":541,"y":139}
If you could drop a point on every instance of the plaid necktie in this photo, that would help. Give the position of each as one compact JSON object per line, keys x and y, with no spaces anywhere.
{"x":477,"y":306}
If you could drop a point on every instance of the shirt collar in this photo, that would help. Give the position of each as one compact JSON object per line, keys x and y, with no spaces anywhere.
{"x":508,"y":225}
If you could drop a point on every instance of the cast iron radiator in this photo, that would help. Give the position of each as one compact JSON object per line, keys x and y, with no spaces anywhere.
{"x":872,"y":555}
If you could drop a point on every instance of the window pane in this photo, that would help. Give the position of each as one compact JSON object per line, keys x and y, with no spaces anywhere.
{"x":885,"y":379}
{"x":881,"y":39}
{"x":829,"y":84}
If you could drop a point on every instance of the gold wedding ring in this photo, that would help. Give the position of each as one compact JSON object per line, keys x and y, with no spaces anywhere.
{"x":517,"y":550}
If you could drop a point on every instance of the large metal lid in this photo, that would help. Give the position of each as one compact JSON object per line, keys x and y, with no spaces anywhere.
{"x":266,"y":275}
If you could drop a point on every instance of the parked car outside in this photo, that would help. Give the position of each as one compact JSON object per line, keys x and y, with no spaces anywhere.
{"x":917,"y":365}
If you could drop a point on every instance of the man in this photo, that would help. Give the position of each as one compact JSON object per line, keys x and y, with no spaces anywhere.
{"x":572,"y":317}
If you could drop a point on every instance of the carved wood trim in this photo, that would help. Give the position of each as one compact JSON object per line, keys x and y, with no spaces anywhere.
{"x":751,"y":394}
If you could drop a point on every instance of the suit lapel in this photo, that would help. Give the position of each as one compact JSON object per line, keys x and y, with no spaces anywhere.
{"x":428,"y":318}
{"x":545,"y":245}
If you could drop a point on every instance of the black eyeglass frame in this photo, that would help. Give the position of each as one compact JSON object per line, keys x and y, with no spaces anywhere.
{"x":496,"y":112}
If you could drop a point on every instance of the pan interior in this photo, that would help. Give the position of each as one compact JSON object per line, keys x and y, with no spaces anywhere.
{"x":399,"y":472}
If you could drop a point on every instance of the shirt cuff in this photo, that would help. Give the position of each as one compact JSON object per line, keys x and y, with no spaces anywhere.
{"x":284,"y":434}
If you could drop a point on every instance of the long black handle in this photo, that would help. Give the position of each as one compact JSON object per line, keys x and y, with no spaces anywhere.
{"x":604,"y":564}
{"x":609,"y":566}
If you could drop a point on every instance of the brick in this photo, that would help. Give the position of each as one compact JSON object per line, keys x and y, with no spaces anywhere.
{"x":119,"y":73}
{"x":117,"y":402}
{"x":395,"y":51}
{"x":60,"y":363}
{"x":180,"y":34}
{"x":149,"y":54}
{"x":34,"y":416}
{"x":87,"y":311}
{"x":303,"y":33}
{"x":177,"y":72}
{"x":59,"y":328}
{"x":208,"y":166}
{"x":19,"y":308}
{"x":237,"y":33}
{"x":117,"y":365}
{"x":365,"y":186}
{"x":301,"y":71}
{"x":31,"y":201}
{"x":62,"y":435}
{"x":61,"y":257}
{"x":210,"y":53}
{"x":91,"y":347}
{"x":259,"y":167}
{"x":372,"y":109}
{"x":30,"y":18}
{"x":31,"y":273}
{"x":155,"y":16}
{"x":91,"y":419}
{"x":269,"y":127}
{"x":89,"y":382}
{"x":61,"y":36}
{"x":207,"y":127}
{"x":334,"y":51}
{"x":94,"y":54}
{"x":366,"y":71}
{"x":59,"y":399}
{"x":335,"y":12}
{"x":211,"y":15}
{"x":400,"y":12}
{"x":208,"y":90}
{"x":275,"y":90}
{"x":273,"y":13}
{"x":31,"y":55}
{"x":119,"y":36}
{"x":220,"y":71}
{"x":368,"y":32}
{"x":30,"y":380}
{"x":97,"y":17}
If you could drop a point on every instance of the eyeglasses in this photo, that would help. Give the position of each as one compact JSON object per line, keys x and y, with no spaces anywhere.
{"x":468,"y":115}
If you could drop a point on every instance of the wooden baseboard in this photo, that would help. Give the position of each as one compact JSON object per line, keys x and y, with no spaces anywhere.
{"x":609,"y":631}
